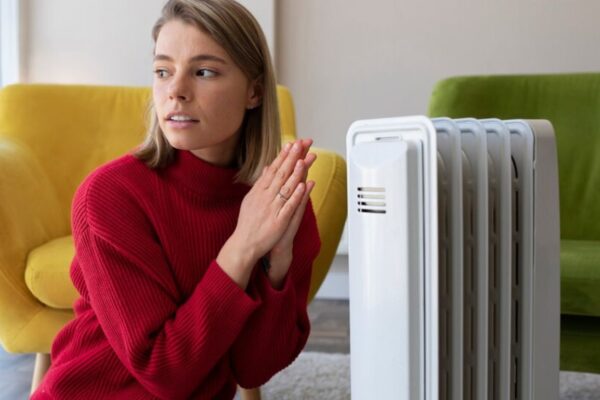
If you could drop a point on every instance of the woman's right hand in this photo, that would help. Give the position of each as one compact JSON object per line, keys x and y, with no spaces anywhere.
{"x":266,"y":211}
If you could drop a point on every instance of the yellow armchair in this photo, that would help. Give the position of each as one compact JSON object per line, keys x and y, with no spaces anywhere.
{"x":51,"y":138}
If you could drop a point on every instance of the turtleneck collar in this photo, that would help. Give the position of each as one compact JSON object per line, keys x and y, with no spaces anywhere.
{"x":204,"y":178}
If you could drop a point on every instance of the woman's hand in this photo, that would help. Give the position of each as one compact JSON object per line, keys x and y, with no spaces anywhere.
{"x":267,"y":211}
{"x":280,"y":256}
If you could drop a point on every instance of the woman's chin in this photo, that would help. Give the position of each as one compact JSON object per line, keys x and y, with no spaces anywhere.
{"x":180,"y":146}
{"x":180,"y":143}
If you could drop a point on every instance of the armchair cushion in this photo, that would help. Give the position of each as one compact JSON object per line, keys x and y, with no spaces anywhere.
{"x":47,"y":273}
{"x":580,"y":277}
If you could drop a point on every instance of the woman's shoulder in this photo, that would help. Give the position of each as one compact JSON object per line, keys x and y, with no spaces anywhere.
{"x":125,"y":171}
{"x":124,"y":168}
{"x":113,"y":188}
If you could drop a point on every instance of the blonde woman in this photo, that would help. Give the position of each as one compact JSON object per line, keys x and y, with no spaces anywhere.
{"x":194,"y":253}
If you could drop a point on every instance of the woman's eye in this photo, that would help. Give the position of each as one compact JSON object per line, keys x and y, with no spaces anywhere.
{"x":161,"y":73}
{"x":206,"y":73}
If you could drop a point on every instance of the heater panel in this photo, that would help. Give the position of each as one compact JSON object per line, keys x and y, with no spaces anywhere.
{"x":393,"y":278}
{"x":476,"y":222}
{"x":500,"y":239}
{"x":450,"y":258}
{"x":534,"y":152}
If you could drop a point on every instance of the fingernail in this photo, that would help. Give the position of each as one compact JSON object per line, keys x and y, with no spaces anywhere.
{"x":287,"y":146}
{"x":296,"y":147}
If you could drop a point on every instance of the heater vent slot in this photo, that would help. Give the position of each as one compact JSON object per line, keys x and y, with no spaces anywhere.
{"x":517,"y":271}
{"x":371,"y":200}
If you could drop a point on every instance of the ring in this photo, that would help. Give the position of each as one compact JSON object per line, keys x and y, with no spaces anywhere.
{"x":282,"y":196}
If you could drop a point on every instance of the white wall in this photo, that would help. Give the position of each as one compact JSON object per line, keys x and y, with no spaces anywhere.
{"x":349,"y":59}
{"x":264,"y":12}
{"x":106,"y":42}
{"x":96,"y":42}
{"x":343,"y":59}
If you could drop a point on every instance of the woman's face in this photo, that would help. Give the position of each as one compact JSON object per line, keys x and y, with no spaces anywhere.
{"x":200,"y":94}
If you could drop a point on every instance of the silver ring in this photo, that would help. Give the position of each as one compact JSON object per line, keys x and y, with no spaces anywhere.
{"x":282,"y":196}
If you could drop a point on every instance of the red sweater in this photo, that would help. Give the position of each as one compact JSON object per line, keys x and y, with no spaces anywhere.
{"x":157,"y":316}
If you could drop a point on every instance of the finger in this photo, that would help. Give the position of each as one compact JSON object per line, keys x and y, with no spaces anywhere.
{"x":310,"y":186}
{"x":306,"y":156}
{"x":289,"y":207}
{"x":282,"y":155}
{"x":286,"y":168}
{"x":299,"y":213}
{"x":297,"y":176}
{"x":308,"y":162}
{"x":296,"y":220}
{"x":306,"y":144}
{"x":269,"y":171}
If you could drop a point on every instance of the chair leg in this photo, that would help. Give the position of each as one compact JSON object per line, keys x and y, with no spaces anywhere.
{"x":250,"y":394}
{"x":42,"y":363}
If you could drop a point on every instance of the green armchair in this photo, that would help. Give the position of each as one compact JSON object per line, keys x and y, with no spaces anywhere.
{"x":572,"y":103}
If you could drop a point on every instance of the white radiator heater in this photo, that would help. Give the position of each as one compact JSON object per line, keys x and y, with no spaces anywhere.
{"x":454,"y":259}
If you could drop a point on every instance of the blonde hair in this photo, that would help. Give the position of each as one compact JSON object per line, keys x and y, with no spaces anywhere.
{"x":235,"y":29}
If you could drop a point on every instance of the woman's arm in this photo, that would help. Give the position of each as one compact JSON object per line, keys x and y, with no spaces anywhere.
{"x":168,"y":343}
{"x":276,"y":333}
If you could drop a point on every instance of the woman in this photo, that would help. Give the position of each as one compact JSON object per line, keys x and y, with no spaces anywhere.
{"x":194,"y":254}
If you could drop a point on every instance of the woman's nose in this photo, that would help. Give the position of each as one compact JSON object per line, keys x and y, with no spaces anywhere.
{"x":179,"y":89}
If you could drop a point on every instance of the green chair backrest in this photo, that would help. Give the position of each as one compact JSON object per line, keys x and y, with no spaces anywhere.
{"x":571,"y":102}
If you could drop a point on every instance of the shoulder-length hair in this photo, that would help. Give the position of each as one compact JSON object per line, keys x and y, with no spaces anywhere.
{"x":235,"y":29}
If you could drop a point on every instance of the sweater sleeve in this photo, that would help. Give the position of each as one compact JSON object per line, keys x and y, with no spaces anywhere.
{"x":168,"y":343}
{"x":276,"y":333}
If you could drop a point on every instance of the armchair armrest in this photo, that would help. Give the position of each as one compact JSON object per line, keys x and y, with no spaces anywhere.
{"x":30,"y":215}
{"x":330,"y":207}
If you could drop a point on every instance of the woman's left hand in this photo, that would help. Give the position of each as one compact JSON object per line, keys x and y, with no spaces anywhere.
{"x":280,"y":256}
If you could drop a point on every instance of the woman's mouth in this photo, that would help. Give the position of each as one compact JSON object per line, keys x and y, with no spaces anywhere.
{"x":181,"y":121}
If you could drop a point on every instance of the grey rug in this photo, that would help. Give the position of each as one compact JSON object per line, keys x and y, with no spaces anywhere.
{"x":312,"y":376}
{"x":320,"y":376}
{"x":327,"y":377}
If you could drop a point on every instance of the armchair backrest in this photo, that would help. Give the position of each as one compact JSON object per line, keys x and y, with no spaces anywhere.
{"x":72,"y":129}
{"x":571,"y":102}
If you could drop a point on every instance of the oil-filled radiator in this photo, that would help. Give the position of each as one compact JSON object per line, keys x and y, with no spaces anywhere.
{"x":454,"y":259}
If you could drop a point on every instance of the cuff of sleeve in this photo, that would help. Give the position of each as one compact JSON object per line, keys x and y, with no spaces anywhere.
{"x":231,"y":300}
{"x":271,"y":294}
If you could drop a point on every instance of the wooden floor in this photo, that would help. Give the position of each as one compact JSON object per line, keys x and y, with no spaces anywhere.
{"x":330,"y":326}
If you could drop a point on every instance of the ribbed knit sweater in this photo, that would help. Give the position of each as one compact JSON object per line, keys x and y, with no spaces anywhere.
{"x":157,"y":317}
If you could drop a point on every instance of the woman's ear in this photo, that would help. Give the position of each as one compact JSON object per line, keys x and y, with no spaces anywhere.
{"x":255,"y":93}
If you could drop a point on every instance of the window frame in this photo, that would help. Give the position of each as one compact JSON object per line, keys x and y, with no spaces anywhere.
{"x":10,"y":42}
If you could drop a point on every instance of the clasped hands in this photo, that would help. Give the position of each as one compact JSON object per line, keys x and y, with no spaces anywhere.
{"x":270,"y":215}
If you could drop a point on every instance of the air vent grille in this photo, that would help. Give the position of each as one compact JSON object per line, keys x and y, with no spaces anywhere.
{"x":371,"y":200}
